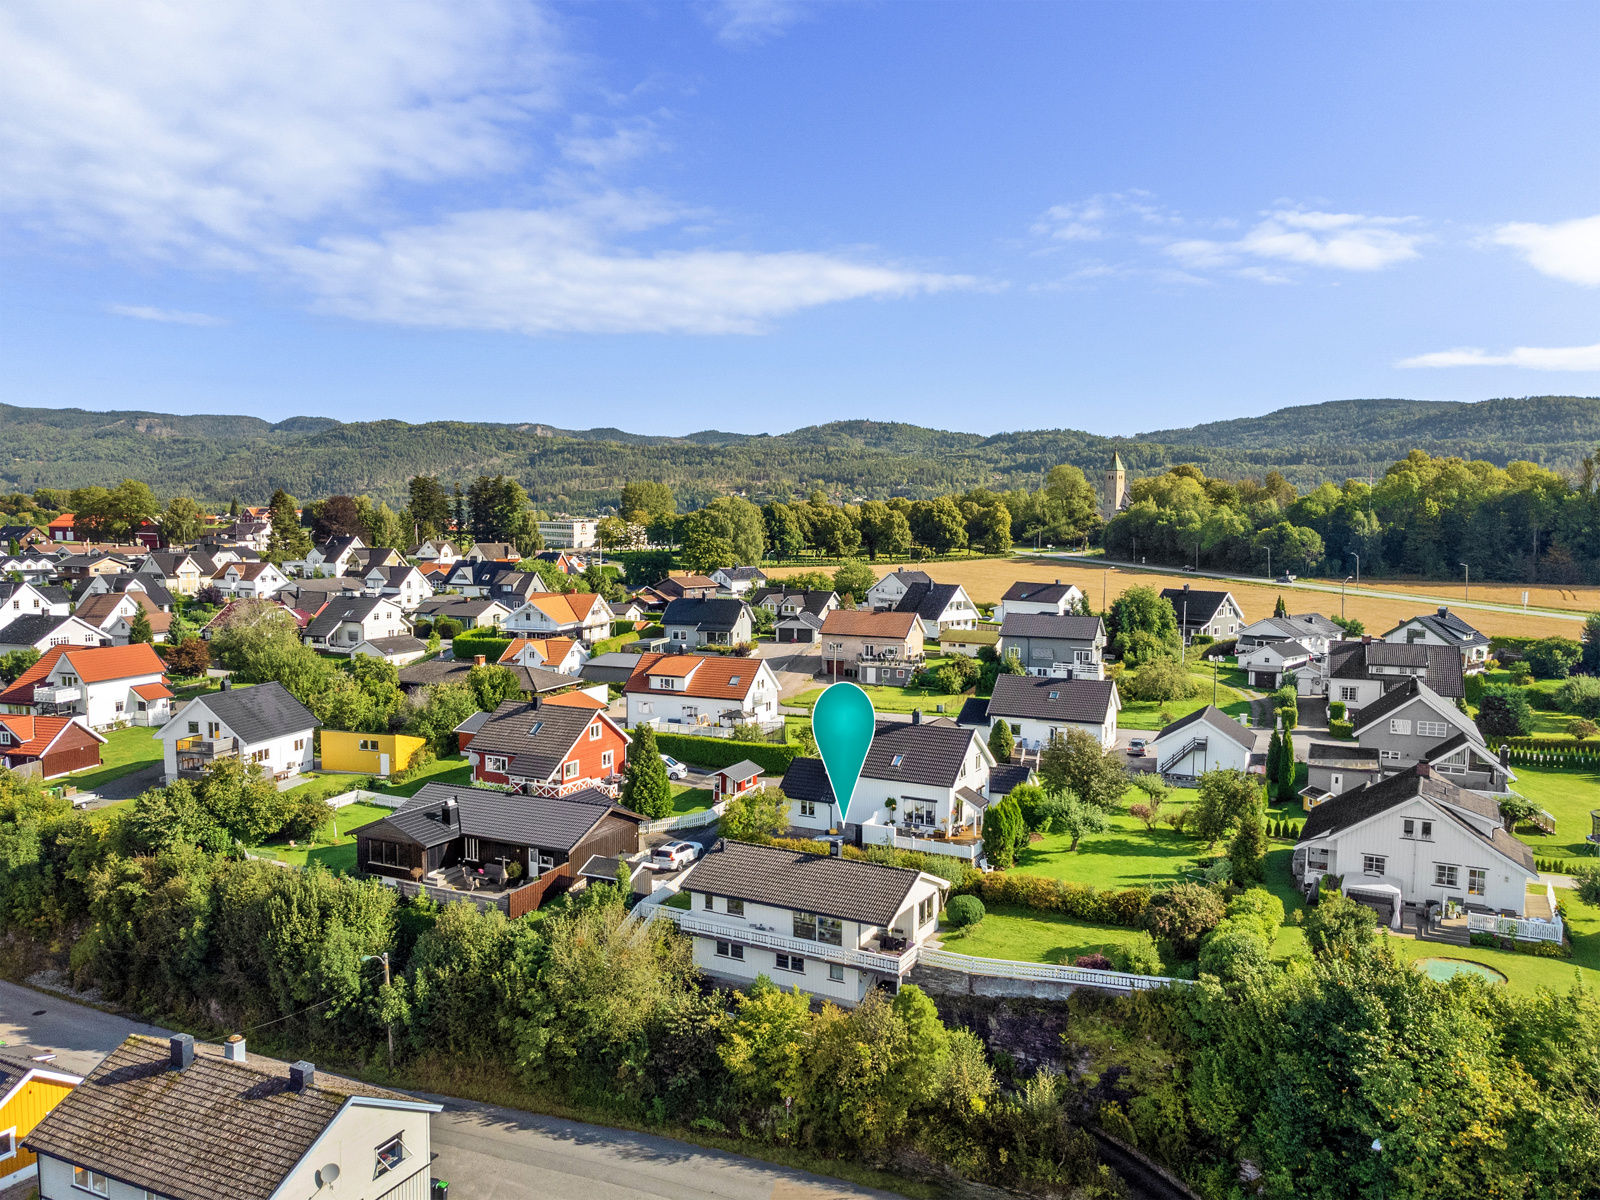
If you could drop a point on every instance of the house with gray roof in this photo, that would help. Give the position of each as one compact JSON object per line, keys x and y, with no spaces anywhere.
{"x":1204,"y":613}
{"x":18,"y":599}
{"x":1037,"y":707}
{"x":1313,"y":630}
{"x":1411,"y":724}
{"x":1050,"y":599}
{"x":1360,"y":673}
{"x":1207,"y":739}
{"x":939,"y":606}
{"x":172,"y":1117}
{"x":263,"y":725}
{"x":39,"y":631}
{"x":1442,"y":628}
{"x":690,"y":624}
{"x":1415,"y":840}
{"x":830,"y":926}
{"x":344,"y":622}
{"x":1066,"y":647}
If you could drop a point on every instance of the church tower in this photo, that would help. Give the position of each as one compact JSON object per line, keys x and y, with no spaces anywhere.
{"x":1114,"y":491}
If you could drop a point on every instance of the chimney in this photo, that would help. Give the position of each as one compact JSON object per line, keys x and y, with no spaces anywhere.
{"x":447,"y":815}
{"x":1424,"y":770}
{"x":181,"y":1050}
{"x":227,"y":683}
{"x":916,"y":716}
{"x":1366,"y":639}
{"x":233,"y":1048}
{"x":1186,"y":587}
{"x":1058,"y":583}
{"x":1444,"y":610}
{"x":302,"y":1075}
{"x":478,"y":660}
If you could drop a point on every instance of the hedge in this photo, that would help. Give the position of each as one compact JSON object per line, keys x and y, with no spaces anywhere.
{"x":612,"y":644}
{"x":469,"y":643}
{"x":724,"y":752}
{"x":1077,"y":900}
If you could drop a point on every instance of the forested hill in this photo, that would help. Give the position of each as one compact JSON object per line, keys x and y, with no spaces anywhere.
{"x":219,"y":457}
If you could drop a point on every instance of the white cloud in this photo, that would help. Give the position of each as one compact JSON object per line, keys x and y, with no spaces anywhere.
{"x":1538,"y":358}
{"x":1093,"y":219}
{"x":170,"y":316}
{"x":553,"y":271}
{"x":1337,"y":241}
{"x":1568,"y":250}
{"x":751,"y":22}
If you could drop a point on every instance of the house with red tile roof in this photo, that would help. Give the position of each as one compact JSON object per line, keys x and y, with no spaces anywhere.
{"x":581,"y":615}
{"x":46,"y":747}
{"x":563,"y":654}
{"x":679,"y":692}
{"x":95,"y":683}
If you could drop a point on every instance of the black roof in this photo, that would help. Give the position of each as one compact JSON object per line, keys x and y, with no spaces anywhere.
{"x":1039,"y":697}
{"x":930,"y":753}
{"x":1202,"y":605}
{"x":927,"y":600}
{"x":48,"y":592}
{"x":815,"y":602}
{"x":29,"y":629}
{"x":547,"y":822}
{"x":535,"y":737}
{"x":258,"y":714}
{"x":1396,"y":697}
{"x":340,"y":609}
{"x":974,"y":711}
{"x":1445,"y":624}
{"x":403,"y":644}
{"x":533,"y":680}
{"x":1038,"y":593}
{"x":845,"y":888}
{"x":1441,"y":665}
{"x":718,"y":614}
{"x":1342,"y":754}
{"x":1047,"y":625}
{"x":1223,"y":723}
{"x":1003,"y":777}
{"x":807,"y":779}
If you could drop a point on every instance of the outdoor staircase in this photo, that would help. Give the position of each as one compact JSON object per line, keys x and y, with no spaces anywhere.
{"x":1189,"y":748}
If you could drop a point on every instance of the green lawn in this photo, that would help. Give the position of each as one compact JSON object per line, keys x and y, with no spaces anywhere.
{"x":333,"y":847}
{"x":125,"y":751}
{"x":686,"y":799}
{"x":1028,"y":936}
{"x":895,"y":699}
{"x":1146,"y":714}
{"x":1568,"y":796}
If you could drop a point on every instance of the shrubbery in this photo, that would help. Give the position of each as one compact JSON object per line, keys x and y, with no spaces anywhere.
{"x":1009,"y":889}
{"x":1182,"y":915}
{"x":964,"y":912}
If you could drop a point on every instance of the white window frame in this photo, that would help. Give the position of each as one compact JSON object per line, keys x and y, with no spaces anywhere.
{"x":85,"y":1181}
{"x":1348,"y":694}
{"x":808,"y":808}
{"x":1400,"y":727}
{"x":607,"y":758}
{"x":1477,"y":881}
{"x":1446,"y":875}
{"x":1433,"y":729}
{"x":569,"y":770}
{"x":1374,"y":864}
{"x":496,"y":763}
{"x":835,"y":972}
{"x":9,"y":1137}
{"x":594,"y":732}
{"x":383,"y":1168}
{"x":730,"y":950}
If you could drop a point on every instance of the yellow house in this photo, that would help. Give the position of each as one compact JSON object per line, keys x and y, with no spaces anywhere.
{"x":28,"y":1090}
{"x":368,"y":753}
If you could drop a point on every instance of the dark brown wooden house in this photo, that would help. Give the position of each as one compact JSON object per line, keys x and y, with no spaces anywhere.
{"x":442,"y":828}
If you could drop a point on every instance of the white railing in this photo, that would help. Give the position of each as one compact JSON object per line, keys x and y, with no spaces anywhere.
{"x":893,"y":837}
{"x":693,"y":820}
{"x":887,"y":964}
{"x":1005,"y":968}
{"x":1525,"y":929}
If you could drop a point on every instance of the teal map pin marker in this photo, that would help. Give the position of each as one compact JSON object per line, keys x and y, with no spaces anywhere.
{"x":843,"y":724}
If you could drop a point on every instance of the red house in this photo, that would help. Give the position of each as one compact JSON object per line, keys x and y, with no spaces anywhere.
{"x":547,"y":749}
{"x":743,"y":776}
{"x":57,"y":744}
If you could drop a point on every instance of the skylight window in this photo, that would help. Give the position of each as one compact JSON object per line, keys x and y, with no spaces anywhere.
{"x":735,"y":679}
{"x":897,"y":760}
{"x":1055,"y":695}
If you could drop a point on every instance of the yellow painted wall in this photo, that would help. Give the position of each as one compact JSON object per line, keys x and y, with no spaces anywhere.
{"x":342,"y":751}
{"x":25,"y":1110}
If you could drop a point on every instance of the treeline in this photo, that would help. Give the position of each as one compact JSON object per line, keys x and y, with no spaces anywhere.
{"x":1424,"y":516}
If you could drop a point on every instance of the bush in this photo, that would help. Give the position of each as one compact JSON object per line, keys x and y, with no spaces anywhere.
{"x":964,"y":912}
{"x":1338,"y":926}
{"x":447,"y":627}
{"x":1261,"y":906}
{"x":1583,"y":728}
{"x":1504,"y":712}
{"x":1082,"y":902}
{"x":1342,"y":729}
{"x":1580,"y":696}
{"x":1521,"y":673}
{"x":724,"y":752}
{"x":1162,"y":679}
{"x":1336,"y":710}
{"x":1182,"y":916}
{"x":1093,"y":962}
{"x":1554,"y":657}
{"x":1139,"y":956}
{"x":309,"y":814}
{"x":1236,"y":950}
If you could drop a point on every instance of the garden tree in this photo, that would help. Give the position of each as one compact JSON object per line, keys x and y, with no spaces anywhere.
{"x":784,"y":538}
{"x":429,"y":506}
{"x":1591,"y":643}
{"x":113,"y":515}
{"x":190,"y":657}
{"x":644,"y":499}
{"x":335,"y":516}
{"x":1001,"y":744}
{"x":1078,"y":820}
{"x":552,"y":576}
{"x":853,"y":579}
{"x":446,"y":706}
{"x":289,"y":541}
{"x":1141,"y":610}
{"x":182,"y":521}
{"x":493,"y":685}
{"x":498,"y":512}
{"x":763,"y":621}
{"x":645,"y":786}
{"x":1227,"y":797}
{"x":1075,"y":763}
{"x":1503,"y":711}
{"x":739,"y":523}
{"x":988,"y":522}
{"x":1338,"y":927}
{"x":598,"y":580}
{"x":243,"y":800}
{"x":1286,"y":766}
{"x":765,"y":1042}
{"x":703,"y":551}
{"x":382,"y":526}
{"x":1153,"y":786}
{"x":1579,"y":695}
{"x":1279,"y":609}
{"x":756,"y":815}
{"x":1004,"y":833}
{"x":992,"y":670}
{"x":139,"y":631}
{"x":1517,"y":809}
{"x":366,"y":698}
{"x":1161,"y":678}
{"x":1248,"y":850}
{"x":1554,"y":657}
{"x":1274,"y":759}
{"x":14,"y":662}
{"x":172,"y":818}
{"x":260,"y":642}
{"x":938,"y":525}
{"x":1036,"y":804}
{"x":1182,"y":915}
{"x":884,"y":530}
{"x":1352,"y":627}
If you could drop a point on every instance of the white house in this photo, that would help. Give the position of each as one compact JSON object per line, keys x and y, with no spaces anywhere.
{"x":113,"y":614}
{"x":331,"y":558}
{"x":563,"y":654}
{"x":675,"y":692}
{"x":1442,"y":628}
{"x":740,"y":580}
{"x":347,"y":621}
{"x":829,"y":926}
{"x":32,"y":599}
{"x":37,"y":631}
{"x":436,"y":550}
{"x":1038,"y":706}
{"x":170,"y":1117}
{"x":938,"y":606}
{"x":250,"y":580}
{"x":400,"y":651}
{"x":106,"y":685}
{"x":1412,"y":840}
{"x":891,"y":589}
{"x":581,"y":615}
{"x":1266,"y":664}
{"x":1312,"y":630}
{"x":405,"y":585}
{"x":919,"y":777}
{"x":1208,"y":739}
{"x":263,"y":724}
{"x":1050,"y":599}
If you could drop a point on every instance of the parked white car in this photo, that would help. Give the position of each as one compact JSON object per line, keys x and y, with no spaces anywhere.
{"x":670,"y":856}
{"x":675,"y":769}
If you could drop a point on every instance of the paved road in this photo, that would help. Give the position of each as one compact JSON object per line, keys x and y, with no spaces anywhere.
{"x":1420,"y":599}
{"x":80,"y":1036}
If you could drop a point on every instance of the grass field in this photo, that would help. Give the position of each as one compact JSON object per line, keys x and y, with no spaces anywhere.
{"x":987,"y":579}
{"x":333,"y":847}
{"x":1569,"y":796}
{"x":686,"y":799}
{"x":126,"y":751}
{"x":897,"y":699}
{"x":1146,"y":714}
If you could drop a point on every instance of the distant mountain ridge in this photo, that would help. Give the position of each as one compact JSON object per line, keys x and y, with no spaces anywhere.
{"x":218,"y":456}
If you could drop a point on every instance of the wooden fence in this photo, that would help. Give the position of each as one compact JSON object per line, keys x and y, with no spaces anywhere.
{"x":526,"y":899}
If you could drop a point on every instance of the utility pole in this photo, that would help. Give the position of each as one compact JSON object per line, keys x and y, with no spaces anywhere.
{"x":1468,"y":570}
{"x":384,"y":959}
{"x":1269,"y":561}
{"x":1357,"y":557}
{"x":1341,"y":597}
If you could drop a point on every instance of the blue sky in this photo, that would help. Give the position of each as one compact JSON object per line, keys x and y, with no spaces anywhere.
{"x":756,"y":216}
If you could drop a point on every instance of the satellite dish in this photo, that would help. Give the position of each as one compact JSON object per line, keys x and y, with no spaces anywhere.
{"x":327,"y":1175}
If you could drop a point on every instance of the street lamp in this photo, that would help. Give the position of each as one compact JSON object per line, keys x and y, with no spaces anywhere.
{"x":384,"y":959}
{"x":1269,"y":561}
{"x":1377,"y":1148}
{"x":1468,"y":570}
{"x":1357,"y":557}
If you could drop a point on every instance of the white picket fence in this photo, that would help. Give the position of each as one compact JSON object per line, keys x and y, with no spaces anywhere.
{"x":357,"y":796}
{"x":1007,"y":968}
{"x":1525,"y":929}
{"x":687,"y":821}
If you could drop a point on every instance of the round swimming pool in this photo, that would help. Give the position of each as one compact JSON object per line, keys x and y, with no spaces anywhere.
{"x":1443,"y":968}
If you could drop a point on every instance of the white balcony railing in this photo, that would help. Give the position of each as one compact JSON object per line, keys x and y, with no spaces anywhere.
{"x":886,"y":964}
{"x":66,"y":694}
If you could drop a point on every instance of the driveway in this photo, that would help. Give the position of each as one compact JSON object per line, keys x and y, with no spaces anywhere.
{"x":124,"y":788}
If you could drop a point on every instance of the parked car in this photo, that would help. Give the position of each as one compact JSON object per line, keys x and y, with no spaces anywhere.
{"x":675,"y":769}
{"x":672,"y":855}
{"x":1136,"y":748}
{"x":1287,"y":578}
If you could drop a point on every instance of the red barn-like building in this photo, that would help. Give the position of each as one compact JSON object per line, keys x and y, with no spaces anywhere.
{"x":57,"y":744}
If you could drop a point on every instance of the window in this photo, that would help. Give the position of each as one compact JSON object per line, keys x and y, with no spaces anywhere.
{"x":1445,"y":875}
{"x":730,"y":950}
{"x":1427,"y":831}
{"x":791,"y":962}
{"x":1408,"y":828}
{"x":1373,"y":864}
{"x":493,"y":762}
{"x":1387,"y":755}
{"x":606,"y":759}
{"x":1432,"y":729}
{"x":735,"y":908}
{"x":299,"y":743}
{"x":711,"y":902}
{"x":1477,"y":881}
{"x":897,"y":760}
{"x":260,"y":755}
{"x":1399,"y":727}
{"x":1016,"y":728}
{"x":926,"y":911}
{"x":569,"y":770}
{"x":8,"y":1143}
{"x":366,"y":744}
{"x":1349,"y":693}
{"x":384,"y":853}
{"x":835,"y":973}
{"x":91,"y":1181}
{"x":1317,"y":859}
{"x":808,"y":808}
{"x":594,"y":732}
{"x":469,"y":849}
{"x":924,"y":813}
{"x":391,"y":1154}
